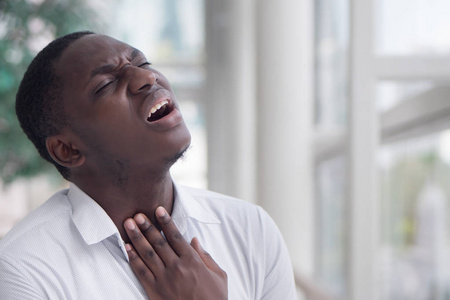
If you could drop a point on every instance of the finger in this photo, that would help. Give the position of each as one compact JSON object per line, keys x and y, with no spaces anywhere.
{"x":143,"y":248}
{"x":156,"y":239}
{"x":205,"y":256}
{"x":171,"y":232}
{"x":141,"y":270}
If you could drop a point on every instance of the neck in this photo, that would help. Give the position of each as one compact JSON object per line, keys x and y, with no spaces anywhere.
{"x":122,"y":201}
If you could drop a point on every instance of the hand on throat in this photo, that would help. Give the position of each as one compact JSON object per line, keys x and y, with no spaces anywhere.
{"x":135,"y":195}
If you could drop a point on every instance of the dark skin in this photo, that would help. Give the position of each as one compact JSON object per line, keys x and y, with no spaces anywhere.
{"x":121,"y":158}
{"x":172,"y":269}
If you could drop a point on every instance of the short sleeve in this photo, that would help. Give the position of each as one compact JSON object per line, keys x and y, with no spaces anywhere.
{"x":13,"y":285}
{"x":279,"y":276}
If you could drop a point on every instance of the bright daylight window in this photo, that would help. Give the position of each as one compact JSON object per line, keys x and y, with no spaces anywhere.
{"x":331,"y":97}
{"x":414,"y":167}
{"x":413,"y":157}
{"x":415,"y":235}
{"x":414,"y":160}
{"x":412,"y":27}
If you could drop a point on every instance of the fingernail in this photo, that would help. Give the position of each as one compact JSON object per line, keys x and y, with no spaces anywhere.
{"x":139,"y":218}
{"x":128,"y":247}
{"x":129,"y":224}
{"x":160,"y":211}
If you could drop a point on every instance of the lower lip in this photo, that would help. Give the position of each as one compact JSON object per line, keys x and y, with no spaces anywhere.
{"x":167,"y":122}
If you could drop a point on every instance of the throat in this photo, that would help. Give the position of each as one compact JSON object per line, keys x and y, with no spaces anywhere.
{"x":120,"y":203}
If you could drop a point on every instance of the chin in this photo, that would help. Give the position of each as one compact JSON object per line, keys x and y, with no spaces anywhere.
{"x":184,"y":145}
{"x":178,"y":156}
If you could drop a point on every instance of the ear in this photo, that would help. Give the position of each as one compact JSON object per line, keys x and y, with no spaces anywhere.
{"x":64,"y":152}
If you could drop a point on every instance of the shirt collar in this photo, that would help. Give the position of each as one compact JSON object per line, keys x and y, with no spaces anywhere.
{"x":186,"y":206}
{"x":91,"y":220}
{"x":95,"y":225}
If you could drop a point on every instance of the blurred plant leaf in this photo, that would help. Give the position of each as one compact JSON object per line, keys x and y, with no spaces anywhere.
{"x":26,"y":26}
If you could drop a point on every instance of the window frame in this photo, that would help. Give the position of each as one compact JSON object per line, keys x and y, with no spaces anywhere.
{"x":368,"y":129}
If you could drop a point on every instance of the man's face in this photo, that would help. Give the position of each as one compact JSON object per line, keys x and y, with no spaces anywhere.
{"x":123,"y":111}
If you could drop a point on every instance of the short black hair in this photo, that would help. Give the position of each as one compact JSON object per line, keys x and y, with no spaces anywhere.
{"x":39,"y":104}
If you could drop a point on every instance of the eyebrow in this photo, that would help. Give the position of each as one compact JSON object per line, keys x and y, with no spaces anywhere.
{"x":110,"y":67}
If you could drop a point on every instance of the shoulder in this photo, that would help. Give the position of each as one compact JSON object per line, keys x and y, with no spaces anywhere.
{"x":216,"y":199}
{"x":39,"y":223}
{"x":251,"y":238}
{"x":235,"y":214}
{"x":220,"y":205}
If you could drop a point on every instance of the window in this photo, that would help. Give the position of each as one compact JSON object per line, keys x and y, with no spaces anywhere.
{"x":331,"y":112}
{"x":414,"y":194}
{"x":382,"y":170}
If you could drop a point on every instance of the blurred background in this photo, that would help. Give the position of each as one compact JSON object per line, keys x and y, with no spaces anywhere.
{"x":334,"y":115}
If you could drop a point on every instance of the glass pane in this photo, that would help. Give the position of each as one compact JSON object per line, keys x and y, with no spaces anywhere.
{"x":331,"y":51}
{"x":331,"y":225}
{"x":392,"y":93}
{"x":192,"y":169}
{"x":412,"y":108}
{"x":412,"y":27}
{"x":165,"y":30}
{"x":415,"y":232}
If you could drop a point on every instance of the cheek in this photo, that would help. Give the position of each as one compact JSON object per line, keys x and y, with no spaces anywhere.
{"x":107,"y":113}
{"x":164,"y":82}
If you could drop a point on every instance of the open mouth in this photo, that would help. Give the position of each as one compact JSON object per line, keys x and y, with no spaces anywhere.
{"x":159,"y":111}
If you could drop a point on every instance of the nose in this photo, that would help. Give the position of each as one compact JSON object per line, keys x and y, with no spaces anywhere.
{"x":140,"y":80}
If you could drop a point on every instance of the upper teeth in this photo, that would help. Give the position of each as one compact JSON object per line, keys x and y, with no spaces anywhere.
{"x":157,"y":106}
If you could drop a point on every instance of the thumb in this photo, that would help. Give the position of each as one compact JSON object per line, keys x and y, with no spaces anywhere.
{"x":205,"y":256}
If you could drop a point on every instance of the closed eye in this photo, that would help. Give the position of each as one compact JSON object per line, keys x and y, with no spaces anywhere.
{"x":102,"y":88}
{"x":145,"y":64}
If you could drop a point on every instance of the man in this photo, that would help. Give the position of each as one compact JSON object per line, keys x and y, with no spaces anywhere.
{"x":95,"y":108}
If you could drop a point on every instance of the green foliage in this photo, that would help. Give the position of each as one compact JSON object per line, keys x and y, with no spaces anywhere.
{"x":26,"y":26}
{"x":401,"y":188}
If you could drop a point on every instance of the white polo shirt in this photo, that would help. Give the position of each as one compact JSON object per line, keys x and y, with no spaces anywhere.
{"x":69,"y":248}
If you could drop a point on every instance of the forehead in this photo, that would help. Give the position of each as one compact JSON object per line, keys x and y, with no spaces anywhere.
{"x":88,"y":53}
